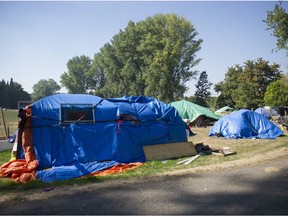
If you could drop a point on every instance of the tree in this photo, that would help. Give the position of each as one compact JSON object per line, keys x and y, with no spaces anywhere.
{"x":153,"y":57}
{"x":228,"y":87}
{"x":277,"y":20}
{"x":202,"y":92}
{"x":11,"y":93}
{"x":44,"y":88}
{"x":277,"y":94}
{"x":79,"y":78}
{"x":244,"y":87}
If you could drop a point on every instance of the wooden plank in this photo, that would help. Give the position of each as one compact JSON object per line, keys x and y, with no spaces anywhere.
{"x":224,"y":152}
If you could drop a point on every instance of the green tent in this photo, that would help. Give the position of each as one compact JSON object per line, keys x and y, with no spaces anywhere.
{"x":191,"y":111}
{"x":225,"y":110}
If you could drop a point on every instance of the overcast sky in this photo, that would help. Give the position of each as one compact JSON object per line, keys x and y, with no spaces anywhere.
{"x":38,"y":38}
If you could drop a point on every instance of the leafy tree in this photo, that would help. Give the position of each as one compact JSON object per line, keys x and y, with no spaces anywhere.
{"x":97,"y":74}
{"x":153,"y":57}
{"x":228,"y":87}
{"x":277,"y":20}
{"x":202,"y":92}
{"x":44,"y":88}
{"x":244,"y":87}
{"x":11,"y":93}
{"x":190,"y":98}
{"x":277,"y":94}
{"x":211,"y":103}
{"x":79,"y":78}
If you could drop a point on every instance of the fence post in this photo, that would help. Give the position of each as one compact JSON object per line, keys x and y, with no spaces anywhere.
{"x":4,"y":123}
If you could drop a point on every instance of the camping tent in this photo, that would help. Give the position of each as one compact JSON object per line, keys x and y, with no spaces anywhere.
{"x":245,"y":124}
{"x":224,"y":110}
{"x":263,"y":112}
{"x":71,"y":134}
{"x":191,"y":111}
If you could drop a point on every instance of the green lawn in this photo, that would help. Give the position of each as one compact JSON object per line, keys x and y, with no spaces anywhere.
{"x":249,"y":151}
{"x":11,"y":119}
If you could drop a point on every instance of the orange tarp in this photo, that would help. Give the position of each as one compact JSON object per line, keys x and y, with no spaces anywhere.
{"x":19,"y":170}
{"x":23,"y":170}
{"x":118,"y":168}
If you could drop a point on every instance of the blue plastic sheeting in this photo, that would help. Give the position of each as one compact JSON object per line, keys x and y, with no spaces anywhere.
{"x":245,"y":124}
{"x":121,"y":127}
{"x":263,"y":112}
{"x":72,"y":171}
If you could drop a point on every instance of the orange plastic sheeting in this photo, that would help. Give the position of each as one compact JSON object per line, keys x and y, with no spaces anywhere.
{"x":19,"y":170}
{"x":27,"y":139}
{"x":23,"y":170}
{"x":118,"y":168}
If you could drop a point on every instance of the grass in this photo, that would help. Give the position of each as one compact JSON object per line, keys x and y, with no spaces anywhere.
{"x":247,"y":149}
{"x":11,"y":121}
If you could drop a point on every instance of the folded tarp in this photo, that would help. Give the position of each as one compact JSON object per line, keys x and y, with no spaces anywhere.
{"x":245,"y":124}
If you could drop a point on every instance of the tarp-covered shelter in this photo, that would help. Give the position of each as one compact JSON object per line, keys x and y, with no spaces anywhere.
{"x":245,"y":124}
{"x":74,"y":135}
{"x":191,"y":111}
{"x":263,"y":112}
{"x":224,"y":110}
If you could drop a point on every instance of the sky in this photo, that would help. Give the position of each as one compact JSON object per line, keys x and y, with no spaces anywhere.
{"x":37,"y":39}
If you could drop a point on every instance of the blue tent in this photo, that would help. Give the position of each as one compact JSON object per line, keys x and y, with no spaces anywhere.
{"x":72,"y":134}
{"x":245,"y":124}
{"x":263,"y":112}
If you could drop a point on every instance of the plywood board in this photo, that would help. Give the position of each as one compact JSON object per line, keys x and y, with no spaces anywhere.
{"x":169,"y":150}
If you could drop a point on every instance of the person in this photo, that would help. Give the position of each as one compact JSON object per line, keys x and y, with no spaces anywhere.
{"x":188,"y":129}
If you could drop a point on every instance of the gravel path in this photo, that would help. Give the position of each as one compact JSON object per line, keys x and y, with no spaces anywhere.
{"x":258,"y":189}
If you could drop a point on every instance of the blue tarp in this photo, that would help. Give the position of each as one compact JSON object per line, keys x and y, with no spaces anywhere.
{"x":263,"y":112}
{"x":117,"y":132}
{"x":245,"y":124}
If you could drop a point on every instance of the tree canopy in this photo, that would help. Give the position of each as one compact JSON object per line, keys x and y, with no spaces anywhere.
{"x":11,"y":93}
{"x":154,"y":57}
{"x":277,"y":20}
{"x":44,"y":88}
{"x":245,"y":86}
{"x":277,"y":94}
{"x":202,"y":92}
{"x":78,"y":78}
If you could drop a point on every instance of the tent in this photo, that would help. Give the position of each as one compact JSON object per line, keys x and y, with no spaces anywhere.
{"x":245,"y":124}
{"x":224,"y":110}
{"x":263,"y":112}
{"x":192,"y":111}
{"x":75,"y":134}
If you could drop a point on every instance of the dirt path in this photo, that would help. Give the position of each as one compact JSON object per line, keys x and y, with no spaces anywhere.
{"x":260,"y":189}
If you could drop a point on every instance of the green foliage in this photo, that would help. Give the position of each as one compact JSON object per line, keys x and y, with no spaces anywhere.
{"x":190,"y":98}
{"x":244,"y":87}
{"x":212,"y":103}
{"x":277,"y":20}
{"x":203,"y":93}
{"x":277,"y":94}
{"x":44,"y":88}
{"x":79,"y":78}
{"x":11,"y":120}
{"x":12,"y":92}
{"x":153,"y":57}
